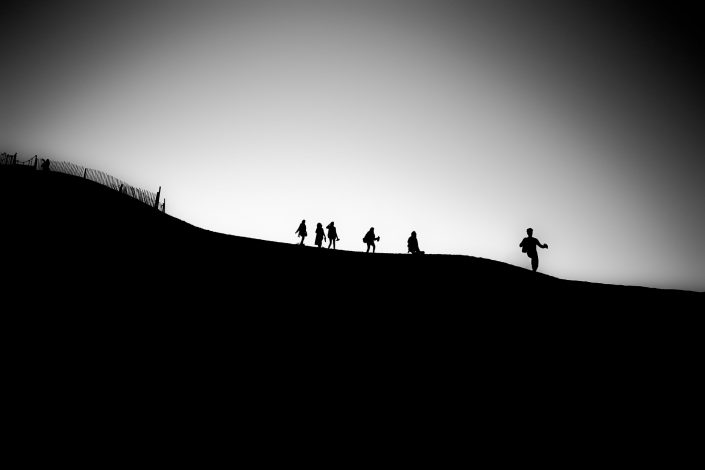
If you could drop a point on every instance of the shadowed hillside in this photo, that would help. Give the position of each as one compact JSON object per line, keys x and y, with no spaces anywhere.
{"x":123,"y":314}
{"x":73,"y":237}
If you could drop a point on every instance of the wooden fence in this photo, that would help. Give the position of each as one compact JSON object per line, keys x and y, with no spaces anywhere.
{"x":147,"y":197}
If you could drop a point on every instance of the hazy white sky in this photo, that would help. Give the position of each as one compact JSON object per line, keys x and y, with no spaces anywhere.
{"x":465,"y":121}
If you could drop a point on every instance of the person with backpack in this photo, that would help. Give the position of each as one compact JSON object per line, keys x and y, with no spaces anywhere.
{"x":370,"y":239}
{"x":320,"y":236}
{"x":332,"y":235}
{"x":413,"y":245}
{"x":528,"y":245}
{"x":302,"y":231}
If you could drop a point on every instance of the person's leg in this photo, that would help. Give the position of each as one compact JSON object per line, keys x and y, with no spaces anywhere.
{"x":368,"y":248}
{"x":535,"y":263}
{"x":374,"y":247}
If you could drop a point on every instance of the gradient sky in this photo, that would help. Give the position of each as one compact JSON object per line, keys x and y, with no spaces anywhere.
{"x":465,"y":121}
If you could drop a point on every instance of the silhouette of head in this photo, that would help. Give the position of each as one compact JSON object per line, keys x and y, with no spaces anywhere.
{"x":413,"y":234}
{"x":530,"y":231}
{"x":303,"y":221}
{"x":319,"y":225}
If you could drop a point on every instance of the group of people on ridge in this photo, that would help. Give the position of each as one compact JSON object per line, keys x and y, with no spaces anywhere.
{"x":320,"y":235}
{"x":528,"y":245}
{"x":370,"y":238}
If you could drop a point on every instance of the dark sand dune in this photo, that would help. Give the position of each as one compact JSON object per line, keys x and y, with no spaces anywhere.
{"x":77,"y":251}
{"x":128,"y":321}
{"x":78,"y":237}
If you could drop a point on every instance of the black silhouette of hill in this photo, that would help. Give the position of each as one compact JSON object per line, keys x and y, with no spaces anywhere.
{"x":120,"y":314}
{"x":72,"y":234}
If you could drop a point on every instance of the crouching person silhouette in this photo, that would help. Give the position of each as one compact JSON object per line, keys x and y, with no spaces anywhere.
{"x":320,"y":236}
{"x":413,"y":245}
{"x":370,"y":239}
{"x":528,"y":245}
{"x":302,"y":231}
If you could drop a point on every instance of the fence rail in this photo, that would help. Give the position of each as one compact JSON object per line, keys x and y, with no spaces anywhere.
{"x":147,"y":197}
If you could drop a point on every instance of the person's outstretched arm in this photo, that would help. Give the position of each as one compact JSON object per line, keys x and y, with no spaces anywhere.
{"x":542,"y":246}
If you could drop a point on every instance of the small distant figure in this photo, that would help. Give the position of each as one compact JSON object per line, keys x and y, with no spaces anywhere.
{"x":528,"y":245}
{"x":370,"y":240}
{"x":332,"y":235}
{"x":45,"y":164}
{"x":320,"y":236}
{"x":302,"y":231}
{"x":413,"y":245}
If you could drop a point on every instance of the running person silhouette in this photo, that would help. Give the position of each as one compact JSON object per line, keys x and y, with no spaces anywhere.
{"x":528,"y":245}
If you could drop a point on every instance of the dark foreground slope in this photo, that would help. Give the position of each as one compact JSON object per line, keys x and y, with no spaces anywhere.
{"x":71,"y":238}
{"x":77,"y":249}
{"x":123,"y":319}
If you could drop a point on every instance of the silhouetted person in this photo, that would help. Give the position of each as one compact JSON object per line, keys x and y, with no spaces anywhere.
{"x":528,"y":245}
{"x":370,"y":239}
{"x":45,"y":164}
{"x":332,"y":235}
{"x":320,"y":236}
{"x":413,"y":245}
{"x":302,"y":231}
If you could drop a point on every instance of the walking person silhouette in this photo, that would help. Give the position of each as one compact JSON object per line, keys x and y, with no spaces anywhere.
{"x":528,"y":245}
{"x":320,"y":236}
{"x":302,"y":231}
{"x":370,"y":239}
{"x":332,"y":235}
{"x":413,"y":245}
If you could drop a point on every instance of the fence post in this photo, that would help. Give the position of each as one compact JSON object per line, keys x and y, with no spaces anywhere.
{"x":156,"y":201}
{"x":35,"y":162}
{"x":84,"y":172}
